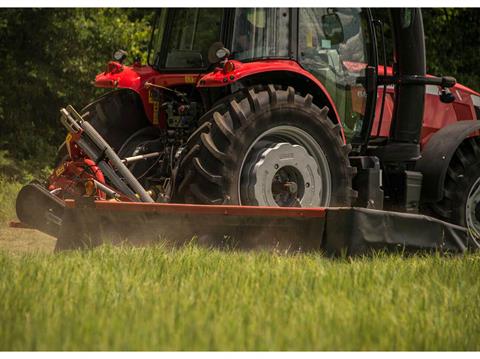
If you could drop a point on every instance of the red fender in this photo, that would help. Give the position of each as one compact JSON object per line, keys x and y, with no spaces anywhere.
{"x":219,"y":77}
{"x":134,"y":78}
{"x":129,"y":77}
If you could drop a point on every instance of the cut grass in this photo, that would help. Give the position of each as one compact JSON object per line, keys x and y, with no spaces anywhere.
{"x":194,"y":299}
{"x":8,"y":193}
{"x":15,"y":240}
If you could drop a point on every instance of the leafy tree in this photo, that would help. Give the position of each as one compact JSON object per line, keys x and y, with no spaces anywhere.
{"x":49,"y":59}
{"x":452,"y":38}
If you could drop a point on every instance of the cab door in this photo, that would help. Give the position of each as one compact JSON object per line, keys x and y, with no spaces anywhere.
{"x":336,"y":46}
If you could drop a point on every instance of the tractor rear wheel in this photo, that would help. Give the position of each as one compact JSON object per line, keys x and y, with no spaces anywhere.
{"x":145,"y":140}
{"x":461,"y":202}
{"x":267,"y":147}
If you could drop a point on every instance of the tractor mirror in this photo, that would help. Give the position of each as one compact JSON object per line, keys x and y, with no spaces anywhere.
{"x":332,"y":28}
{"x":120,"y":56}
{"x":217,"y":52}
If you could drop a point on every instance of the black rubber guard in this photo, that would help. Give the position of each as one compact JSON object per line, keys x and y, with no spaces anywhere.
{"x":39,"y":209}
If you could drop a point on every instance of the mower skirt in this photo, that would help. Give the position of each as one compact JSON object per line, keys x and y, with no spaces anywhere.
{"x":350,"y":231}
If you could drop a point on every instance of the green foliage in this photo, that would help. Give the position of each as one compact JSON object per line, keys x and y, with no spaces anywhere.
{"x":8,"y":194}
{"x":452,"y":38}
{"x":194,"y":299}
{"x":49,"y":59}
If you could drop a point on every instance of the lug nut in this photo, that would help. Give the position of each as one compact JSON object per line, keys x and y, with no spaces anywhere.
{"x":291,"y":187}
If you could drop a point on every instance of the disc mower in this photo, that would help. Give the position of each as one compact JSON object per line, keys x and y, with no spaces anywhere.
{"x":269,"y":127}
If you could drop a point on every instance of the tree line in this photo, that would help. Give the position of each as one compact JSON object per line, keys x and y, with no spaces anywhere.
{"x":49,"y":58}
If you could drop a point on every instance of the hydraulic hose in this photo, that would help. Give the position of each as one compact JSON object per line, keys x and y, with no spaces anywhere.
{"x":116,"y":161}
{"x":74,"y":123}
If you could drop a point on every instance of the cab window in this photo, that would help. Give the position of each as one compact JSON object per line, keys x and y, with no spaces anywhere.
{"x":260,"y":33}
{"x":333,"y":46}
{"x":157,"y":38}
{"x":192,"y":33}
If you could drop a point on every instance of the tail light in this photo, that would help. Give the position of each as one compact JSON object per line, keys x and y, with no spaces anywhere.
{"x":228,"y":66}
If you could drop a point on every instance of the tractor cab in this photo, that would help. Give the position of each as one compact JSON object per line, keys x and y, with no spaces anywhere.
{"x":332,"y":44}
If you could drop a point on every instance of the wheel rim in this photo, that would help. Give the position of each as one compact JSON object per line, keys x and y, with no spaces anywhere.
{"x":472,"y":210}
{"x":285,"y":167}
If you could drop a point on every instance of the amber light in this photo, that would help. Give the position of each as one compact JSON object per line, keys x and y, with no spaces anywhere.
{"x":228,"y":66}
{"x":114,"y":67}
{"x":90,"y":188}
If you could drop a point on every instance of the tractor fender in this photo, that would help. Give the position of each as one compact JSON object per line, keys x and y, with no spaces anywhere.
{"x":116,"y":115}
{"x":437,"y":154}
{"x":132,"y":78}
{"x":267,"y":70}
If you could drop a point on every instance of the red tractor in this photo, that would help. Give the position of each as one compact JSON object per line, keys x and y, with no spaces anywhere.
{"x":273,"y":108}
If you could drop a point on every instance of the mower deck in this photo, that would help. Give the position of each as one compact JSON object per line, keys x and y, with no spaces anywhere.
{"x":351,"y":231}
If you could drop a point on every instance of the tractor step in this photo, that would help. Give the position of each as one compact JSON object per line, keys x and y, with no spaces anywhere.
{"x":350,"y":231}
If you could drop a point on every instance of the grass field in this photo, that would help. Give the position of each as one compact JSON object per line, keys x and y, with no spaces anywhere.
{"x":195,"y":299}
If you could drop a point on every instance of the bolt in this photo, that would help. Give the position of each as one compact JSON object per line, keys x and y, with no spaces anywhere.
{"x":291,"y":187}
{"x":307,"y":184}
{"x":276,"y":166}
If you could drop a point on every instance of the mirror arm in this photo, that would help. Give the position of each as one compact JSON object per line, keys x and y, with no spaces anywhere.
{"x":444,"y":81}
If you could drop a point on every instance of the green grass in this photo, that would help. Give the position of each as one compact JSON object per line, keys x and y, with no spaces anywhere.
{"x":8,"y":194}
{"x":12,"y":239}
{"x":194,"y":299}
{"x":13,"y":175}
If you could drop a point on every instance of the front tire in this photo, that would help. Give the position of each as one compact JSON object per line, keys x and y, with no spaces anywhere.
{"x":266,"y":147}
{"x":461,"y":202}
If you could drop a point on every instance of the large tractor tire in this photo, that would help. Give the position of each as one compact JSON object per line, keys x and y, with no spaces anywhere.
{"x":145,"y":140}
{"x":266,"y":147}
{"x":461,"y":202}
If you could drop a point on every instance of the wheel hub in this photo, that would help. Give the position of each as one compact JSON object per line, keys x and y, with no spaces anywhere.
{"x":285,"y":175}
{"x":285,"y":166}
{"x":285,"y":187}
